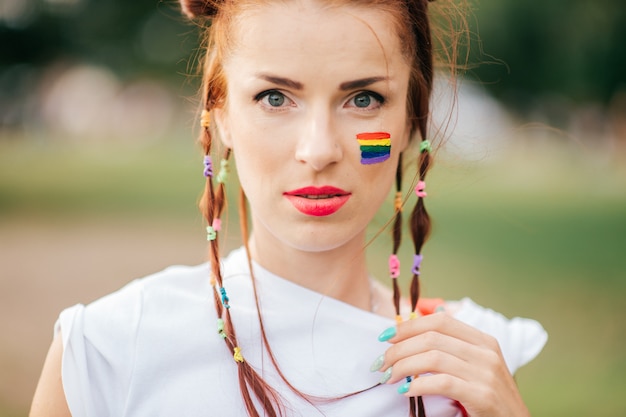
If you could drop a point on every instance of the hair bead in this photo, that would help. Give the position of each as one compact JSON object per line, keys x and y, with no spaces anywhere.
{"x":420,"y":189}
{"x":394,"y":266}
{"x":211,"y":234}
{"x":217,"y":224}
{"x":208,"y":166}
{"x":397,"y":202}
{"x":222,"y":176}
{"x":425,"y":146}
{"x":237,"y":356}
{"x":225,"y":299}
{"x":417,"y":260}
{"x":205,"y":119}
{"x":220,"y":328}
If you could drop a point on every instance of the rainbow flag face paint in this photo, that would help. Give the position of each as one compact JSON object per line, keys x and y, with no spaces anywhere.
{"x":375,"y":147}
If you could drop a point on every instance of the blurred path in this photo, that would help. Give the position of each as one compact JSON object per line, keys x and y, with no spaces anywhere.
{"x":46,"y":266}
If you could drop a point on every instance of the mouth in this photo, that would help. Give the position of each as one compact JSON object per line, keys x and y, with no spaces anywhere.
{"x":317,"y":201}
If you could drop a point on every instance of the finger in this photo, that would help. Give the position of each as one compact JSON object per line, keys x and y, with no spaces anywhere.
{"x":444,"y":324}
{"x":434,"y":362}
{"x":439,"y":384}
{"x":431,"y":344}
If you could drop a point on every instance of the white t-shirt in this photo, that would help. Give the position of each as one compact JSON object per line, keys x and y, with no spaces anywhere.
{"x":152,"y":348}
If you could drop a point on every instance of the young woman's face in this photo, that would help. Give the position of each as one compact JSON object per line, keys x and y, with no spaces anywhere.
{"x":302,"y":82}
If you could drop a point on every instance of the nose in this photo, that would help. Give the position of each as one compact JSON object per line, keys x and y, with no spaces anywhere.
{"x":319,"y":145}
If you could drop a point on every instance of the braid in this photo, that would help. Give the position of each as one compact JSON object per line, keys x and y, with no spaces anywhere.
{"x":394,"y":264}
{"x":212,"y":205}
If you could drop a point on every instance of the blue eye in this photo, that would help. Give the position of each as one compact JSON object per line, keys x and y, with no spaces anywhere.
{"x":362,"y":100}
{"x":366,"y":100}
{"x":275,"y":99}
{"x":272,"y":98}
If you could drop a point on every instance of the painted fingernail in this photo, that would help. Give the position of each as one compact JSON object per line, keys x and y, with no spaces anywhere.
{"x":387,"y":334}
{"x":404,"y":388}
{"x":378,"y":363}
{"x":440,"y":309}
{"x":386,"y":376}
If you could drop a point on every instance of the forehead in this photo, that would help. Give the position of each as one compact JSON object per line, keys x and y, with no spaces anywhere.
{"x":306,"y":37}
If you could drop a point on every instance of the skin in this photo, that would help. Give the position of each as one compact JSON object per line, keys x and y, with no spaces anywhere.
{"x":310,"y":139}
{"x":291,"y":118}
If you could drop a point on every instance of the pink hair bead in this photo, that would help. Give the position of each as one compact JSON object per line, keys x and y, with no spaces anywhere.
{"x":419,"y":189}
{"x":394,"y":266}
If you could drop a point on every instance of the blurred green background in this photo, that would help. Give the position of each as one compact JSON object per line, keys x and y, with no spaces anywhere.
{"x":99,"y":179}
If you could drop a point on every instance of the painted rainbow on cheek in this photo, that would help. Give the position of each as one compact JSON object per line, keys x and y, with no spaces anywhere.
{"x":375,"y":147}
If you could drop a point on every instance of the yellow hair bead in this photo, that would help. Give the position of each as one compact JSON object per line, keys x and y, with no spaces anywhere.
{"x":205,"y":118}
{"x":398,"y":319}
{"x":237,"y":355}
{"x":413,"y":315}
{"x":397,"y":202}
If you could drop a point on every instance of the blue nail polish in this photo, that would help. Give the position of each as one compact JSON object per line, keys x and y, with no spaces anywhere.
{"x":387,"y":334}
{"x":386,"y":376}
{"x":378,"y":363}
{"x":403,"y":389}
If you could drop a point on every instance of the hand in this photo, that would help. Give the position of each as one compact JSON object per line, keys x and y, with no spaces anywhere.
{"x":463,"y":364}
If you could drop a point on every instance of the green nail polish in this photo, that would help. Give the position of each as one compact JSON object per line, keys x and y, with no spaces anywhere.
{"x":378,"y":363}
{"x":387,"y":334}
{"x":403,"y":389}
{"x":386,"y":376}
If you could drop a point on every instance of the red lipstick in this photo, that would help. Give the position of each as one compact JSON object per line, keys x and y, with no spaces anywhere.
{"x":317,"y":201}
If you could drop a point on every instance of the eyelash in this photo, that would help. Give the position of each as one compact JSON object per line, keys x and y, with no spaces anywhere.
{"x":263,"y":94}
{"x":377,"y":97}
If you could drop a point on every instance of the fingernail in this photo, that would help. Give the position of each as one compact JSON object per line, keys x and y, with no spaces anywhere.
{"x":378,"y":363}
{"x":440,"y":309}
{"x":386,"y":376}
{"x":387,"y":334}
{"x":403,"y":389}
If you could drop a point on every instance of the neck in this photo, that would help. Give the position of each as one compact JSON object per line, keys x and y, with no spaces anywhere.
{"x":340,"y":273}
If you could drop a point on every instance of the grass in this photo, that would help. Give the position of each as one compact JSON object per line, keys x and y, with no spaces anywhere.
{"x":538,"y":234}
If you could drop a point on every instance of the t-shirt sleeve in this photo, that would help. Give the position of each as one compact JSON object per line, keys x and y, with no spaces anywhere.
{"x":98,"y":352}
{"x":520,"y":339}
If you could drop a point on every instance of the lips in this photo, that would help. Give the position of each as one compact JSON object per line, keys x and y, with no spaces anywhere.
{"x":318,"y":201}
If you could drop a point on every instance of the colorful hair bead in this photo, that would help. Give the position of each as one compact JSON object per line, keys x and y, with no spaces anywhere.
{"x":375,"y":147}
{"x":237,"y":356}
{"x":413,"y":315}
{"x":220,"y":328}
{"x":217,"y":224}
{"x":397,"y":202}
{"x":208,"y":166}
{"x":222,"y":176}
{"x":419,"y":189}
{"x":225,"y":299}
{"x":205,"y":118}
{"x":425,"y":146}
{"x":417,"y":260}
{"x":211,"y":234}
{"x":394,"y":266}
{"x":398,"y":319}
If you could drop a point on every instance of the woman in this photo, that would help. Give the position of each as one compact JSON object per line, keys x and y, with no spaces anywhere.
{"x":316,"y":101}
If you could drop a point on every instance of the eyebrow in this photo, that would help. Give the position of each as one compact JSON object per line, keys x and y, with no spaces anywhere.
{"x":363,"y":82}
{"x":285,"y":82}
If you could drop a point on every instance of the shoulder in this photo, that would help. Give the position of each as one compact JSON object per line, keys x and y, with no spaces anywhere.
{"x":520,"y":339}
{"x":108,"y":340}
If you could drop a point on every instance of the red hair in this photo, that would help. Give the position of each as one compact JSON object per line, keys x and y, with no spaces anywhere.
{"x":411,"y":18}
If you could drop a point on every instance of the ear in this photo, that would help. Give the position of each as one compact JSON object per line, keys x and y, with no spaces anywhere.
{"x":221,"y":123}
